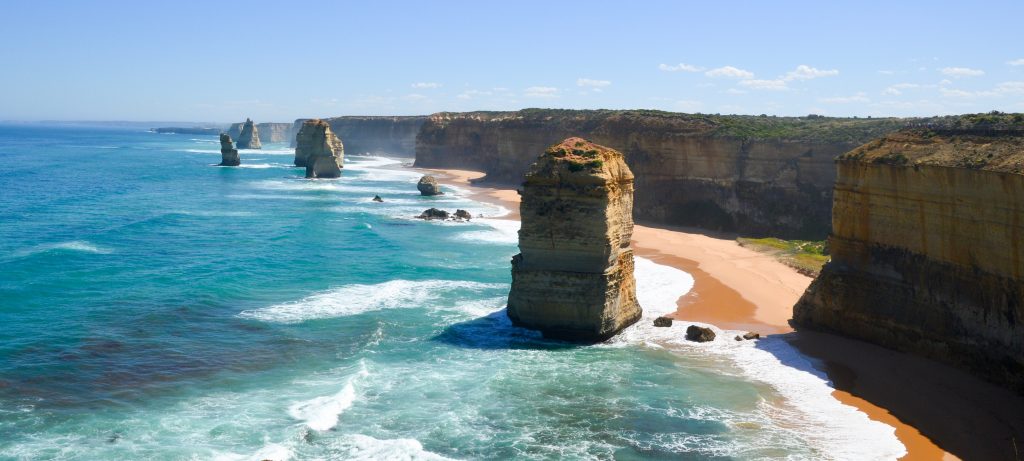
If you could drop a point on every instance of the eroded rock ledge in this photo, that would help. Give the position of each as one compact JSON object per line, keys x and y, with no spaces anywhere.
{"x":319,"y":150}
{"x":926,"y":250}
{"x":573,"y":278}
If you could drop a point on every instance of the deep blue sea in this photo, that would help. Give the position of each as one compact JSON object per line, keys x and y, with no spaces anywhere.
{"x":154,"y":306}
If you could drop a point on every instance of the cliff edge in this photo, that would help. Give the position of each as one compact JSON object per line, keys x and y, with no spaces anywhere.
{"x":573,"y":278}
{"x":926,"y":248}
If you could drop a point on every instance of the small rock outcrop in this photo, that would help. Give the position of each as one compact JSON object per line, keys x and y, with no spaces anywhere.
{"x":376,"y":198}
{"x":573,"y":278}
{"x":663,"y":321}
{"x":249,"y":138}
{"x":434,"y":213}
{"x":699,"y":334}
{"x":319,"y":150}
{"x":228,"y":154}
{"x":428,"y":186}
{"x":462,"y":214}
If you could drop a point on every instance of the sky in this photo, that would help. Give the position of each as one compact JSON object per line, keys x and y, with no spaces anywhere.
{"x":277,"y":61}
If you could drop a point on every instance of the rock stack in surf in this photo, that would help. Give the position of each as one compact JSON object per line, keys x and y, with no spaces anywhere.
{"x":228,"y":154}
{"x":250,"y":136}
{"x":319,"y":150}
{"x":573,"y":278}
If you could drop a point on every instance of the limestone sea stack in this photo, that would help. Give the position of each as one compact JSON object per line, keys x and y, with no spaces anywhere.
{"x":428,"y":186}
{"x":249,"y":138}
{"x":927,"y":252}
{"x":573,"y":278}
{"x":319,"y":150}
{"x":228,"y":154}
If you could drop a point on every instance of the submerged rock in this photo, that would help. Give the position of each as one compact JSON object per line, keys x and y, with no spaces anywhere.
{"x":433,"y":213}
{"x":573,"y":278}
{"x":428,"y":186}
{"x":462,"y":214}
{"x":663,"y":321}
{"x":376,"y":198}
{"x":319,"y":150}
{"x":699,"y":334}
{"x":228,"y":154}
{"x":249,"y":138}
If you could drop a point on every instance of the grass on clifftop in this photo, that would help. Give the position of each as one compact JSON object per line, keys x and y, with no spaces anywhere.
{"x":807,"y":257}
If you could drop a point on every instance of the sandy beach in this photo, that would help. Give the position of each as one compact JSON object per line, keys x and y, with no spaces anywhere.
{"x":945,"y":414}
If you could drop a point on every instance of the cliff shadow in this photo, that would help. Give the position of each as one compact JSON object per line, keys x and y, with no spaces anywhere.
{"x":495,"y":331}
{"x":961,"y":414}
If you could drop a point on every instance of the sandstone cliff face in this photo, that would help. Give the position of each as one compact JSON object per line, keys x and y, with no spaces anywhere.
{"x":754,"y":175}
{"x":378,"y":135}
{"x":249,"y":138}
{"x":573,"y":278}
{"x":927,"y":252}
{"x":319,"y":150}
{"x":269,"y":132}
{"x":228,"y":154}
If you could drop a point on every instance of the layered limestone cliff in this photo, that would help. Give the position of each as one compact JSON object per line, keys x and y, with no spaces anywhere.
{"x":753,"y":175}
{"x":269,"y":132}
{"x":319,"y":150}
{"x":228,"y":154}
{"x":249,"y":138}
{"x":928,"y":249}
{"x":573,"y":278}
{"x":377,"y":135}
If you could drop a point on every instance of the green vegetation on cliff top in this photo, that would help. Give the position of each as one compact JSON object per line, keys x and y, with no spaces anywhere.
{"x":807,"y":257}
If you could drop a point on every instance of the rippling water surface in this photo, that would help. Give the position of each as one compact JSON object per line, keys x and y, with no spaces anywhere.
{"x":154,"y":306}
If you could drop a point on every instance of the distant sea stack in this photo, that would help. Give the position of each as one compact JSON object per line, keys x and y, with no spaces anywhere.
{"x":269,"y":132}
{"x":319,"y":150}
{"x":573,"y":278}
{"x":928,"y":247}
{"x":249,"y":138}
{"x":228,"y":154}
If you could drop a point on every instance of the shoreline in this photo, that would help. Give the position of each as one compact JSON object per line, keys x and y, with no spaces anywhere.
{"x":737,"y":288}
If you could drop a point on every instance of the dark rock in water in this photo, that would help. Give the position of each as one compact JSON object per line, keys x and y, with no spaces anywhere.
{"x":433,"y":213}
{"x":250,"y":136}
{"x":699,"y":334}
{"x":228,"y":154}
{"x":738,"y":338}
{"x":751,"y":335}
{"x":319,"y":150}
{"x":463,"y":214}
{"x":376,"y":198}
{"x":428,"y":186}
{"x":663,"y":321}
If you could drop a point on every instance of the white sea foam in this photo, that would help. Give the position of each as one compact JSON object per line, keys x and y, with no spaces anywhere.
{"x":502,"y":231}
{"x":360,"y":447}
{"x":215,"y":213}
{"x":265,"y":165}
{"x":322,"y":413}
{"x":839,"y":430}
{"x":80,"y":246}
{"x":357,"y":299}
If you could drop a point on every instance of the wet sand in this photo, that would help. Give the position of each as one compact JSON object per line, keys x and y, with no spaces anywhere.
{"x":936,"y":410}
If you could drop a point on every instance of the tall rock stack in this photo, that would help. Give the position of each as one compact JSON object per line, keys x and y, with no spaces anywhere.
{"x":228,"y":154}
{"x":319,"y":150}
{"x":928,"y":249}
{"x":573,"y":278}
{"x":250,"y":136}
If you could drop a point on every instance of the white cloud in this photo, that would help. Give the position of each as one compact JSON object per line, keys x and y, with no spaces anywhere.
{"x":730,"y":72}
{"x":680,"y":67}
{"x":1016,"y":62}
{"x":770,"y":85}
{"x":1010,"y":88}
{"x":859,"y":97}
{"x":962,"y":72}
{"x":470,"y":94}
{"x":426,"y":85}
{"x":735,"y":91}
{"x":1002,"y":89}
{"x":415,"y":97}
{"x":592,"y":83}
{"x":887,"y":72}
{"x":892,"y":91}
{"x":541,"y":92}
{"x":803,"y":72}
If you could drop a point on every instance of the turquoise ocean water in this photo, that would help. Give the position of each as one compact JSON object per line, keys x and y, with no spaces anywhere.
{"x":154,"y":306}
